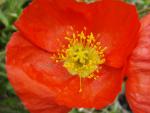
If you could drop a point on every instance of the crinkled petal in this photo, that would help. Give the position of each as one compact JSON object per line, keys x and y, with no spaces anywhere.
{"x":33,"y":73}
{"x":117,"y":26}
{"x":138,"y":83}
{"x":37,"y":97}
{"x":45,"y":23}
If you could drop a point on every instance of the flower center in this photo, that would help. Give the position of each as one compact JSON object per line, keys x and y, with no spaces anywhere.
{"x":83,"y":56}
{"x":82,"y":60}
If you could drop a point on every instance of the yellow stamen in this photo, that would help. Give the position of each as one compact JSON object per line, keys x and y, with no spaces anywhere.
{"x":83,"y":56}
{"x":80,"y":90}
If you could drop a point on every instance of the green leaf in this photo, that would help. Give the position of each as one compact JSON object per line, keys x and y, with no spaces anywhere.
{"x":4,"y":19}
{"x":11,"y":105}
{"x":74,"y":111}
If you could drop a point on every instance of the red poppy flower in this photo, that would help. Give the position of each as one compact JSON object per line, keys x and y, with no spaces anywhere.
{"x":137,"y":87}
{"x":69,"y":54}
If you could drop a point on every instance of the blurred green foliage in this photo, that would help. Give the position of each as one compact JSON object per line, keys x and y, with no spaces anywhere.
{"x":9,"y":12}
{"x":143,"y":6}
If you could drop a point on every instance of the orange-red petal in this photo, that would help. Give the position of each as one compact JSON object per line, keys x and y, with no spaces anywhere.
{"x":138,"y":83}
{"x":32,"y":73}
{"x":37,"y":97}
{"x":117,"y":25}
{"x":45,"y":23}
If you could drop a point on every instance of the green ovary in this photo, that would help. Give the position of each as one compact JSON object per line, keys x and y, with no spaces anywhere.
{"x":81,"y":60}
